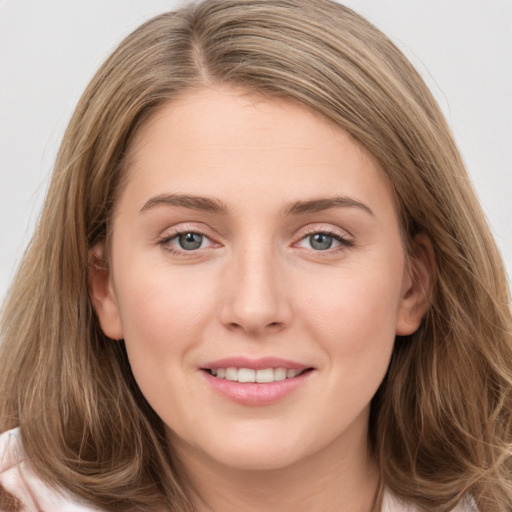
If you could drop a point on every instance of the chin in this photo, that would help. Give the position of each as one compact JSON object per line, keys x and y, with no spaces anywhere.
{"x":245,"y":449}
{"x":255,"y":458}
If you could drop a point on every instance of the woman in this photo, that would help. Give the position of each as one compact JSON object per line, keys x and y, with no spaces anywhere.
{"x":261,"y":280}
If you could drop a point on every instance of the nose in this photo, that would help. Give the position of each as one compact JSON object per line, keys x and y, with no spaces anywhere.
{"x":256,"y":297}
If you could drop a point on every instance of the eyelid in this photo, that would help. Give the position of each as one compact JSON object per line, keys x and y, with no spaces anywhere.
{"x":174,"y":232}
{"x":187,"y":227}
{"x":343,"y":237}
{"x":327,"y":229}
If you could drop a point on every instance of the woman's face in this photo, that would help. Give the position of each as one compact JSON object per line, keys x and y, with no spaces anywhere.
{"x":253,"y":241}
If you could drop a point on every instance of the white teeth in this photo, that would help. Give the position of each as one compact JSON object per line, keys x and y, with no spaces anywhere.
{"x":231,"y":374}
{"x":280,"y":373}
{"x":265,"y":375}
{"x":246,"y":375}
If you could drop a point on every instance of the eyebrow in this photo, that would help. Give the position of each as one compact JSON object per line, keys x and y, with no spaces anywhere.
{"x":213,"y":205}
{"x":319,"y":205}
{"x":204,"y":204}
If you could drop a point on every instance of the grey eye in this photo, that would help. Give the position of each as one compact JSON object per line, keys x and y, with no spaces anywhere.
{"x":190,"y":241}
{"x":320,"y":241}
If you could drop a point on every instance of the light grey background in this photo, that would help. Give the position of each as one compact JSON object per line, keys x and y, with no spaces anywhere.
{"x":49,"y":50}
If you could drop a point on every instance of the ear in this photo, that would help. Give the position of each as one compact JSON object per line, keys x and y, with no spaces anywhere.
{"x":417,"y":286}
{"x":102,"y":293}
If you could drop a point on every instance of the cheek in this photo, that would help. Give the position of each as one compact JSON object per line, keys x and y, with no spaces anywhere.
{"x":163,"y":313}
{"x":355,"y":316}
{"x":164,"y":317}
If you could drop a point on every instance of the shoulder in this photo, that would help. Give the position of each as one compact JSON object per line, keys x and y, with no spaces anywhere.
{"x":21,"y":489}
{"x":391,"y":503}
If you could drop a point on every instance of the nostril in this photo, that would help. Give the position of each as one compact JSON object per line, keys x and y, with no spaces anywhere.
{"x":253,"y":328}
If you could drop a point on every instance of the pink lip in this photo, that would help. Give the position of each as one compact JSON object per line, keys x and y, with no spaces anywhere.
{"x":251,"y":393}
{"x":255,"y":364}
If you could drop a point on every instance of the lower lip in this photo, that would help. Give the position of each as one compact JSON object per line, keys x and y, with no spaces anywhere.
{"x":251,"y":393}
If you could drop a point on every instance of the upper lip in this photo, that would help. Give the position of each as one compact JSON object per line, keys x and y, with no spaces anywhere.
{"x":255,"y":364}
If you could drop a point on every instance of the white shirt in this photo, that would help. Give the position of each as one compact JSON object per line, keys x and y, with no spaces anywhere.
{"x":18,"y":478}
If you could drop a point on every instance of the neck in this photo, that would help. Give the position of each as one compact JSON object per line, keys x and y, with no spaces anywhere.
{"x":340,"y":478}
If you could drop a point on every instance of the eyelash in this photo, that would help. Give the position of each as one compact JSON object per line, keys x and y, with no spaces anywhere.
{"x":344,"y":242}
{"x":164,"y":242}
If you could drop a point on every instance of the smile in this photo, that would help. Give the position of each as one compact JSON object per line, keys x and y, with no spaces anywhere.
{"x":262,"y":376}
{"x":256,"y":382}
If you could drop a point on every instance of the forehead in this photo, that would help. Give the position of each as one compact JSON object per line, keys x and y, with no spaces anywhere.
{"x":224,"y":114}
{"x":225,"y":141}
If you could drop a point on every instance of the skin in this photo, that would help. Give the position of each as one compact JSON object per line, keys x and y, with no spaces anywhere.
{"x":258,"y":287}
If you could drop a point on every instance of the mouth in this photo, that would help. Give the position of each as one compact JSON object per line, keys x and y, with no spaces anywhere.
{"x":260,"y":376}
{"x":256,"y":382}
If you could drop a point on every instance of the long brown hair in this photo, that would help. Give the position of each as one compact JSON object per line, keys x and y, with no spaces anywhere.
{"x":441,"y":422}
